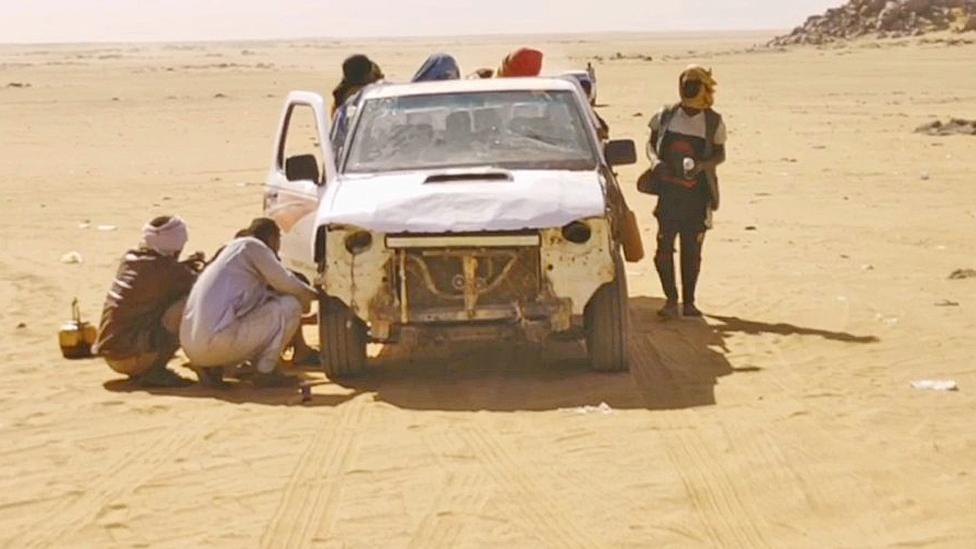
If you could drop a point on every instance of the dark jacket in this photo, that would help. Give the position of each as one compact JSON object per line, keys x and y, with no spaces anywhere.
{"x":146,"y":284}
{"x":712,"y":121}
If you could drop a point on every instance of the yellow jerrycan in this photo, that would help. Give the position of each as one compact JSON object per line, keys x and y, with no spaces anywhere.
{"x":630,"y":234}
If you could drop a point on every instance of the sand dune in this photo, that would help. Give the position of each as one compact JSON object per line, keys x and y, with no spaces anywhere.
{"x":786,"y":420}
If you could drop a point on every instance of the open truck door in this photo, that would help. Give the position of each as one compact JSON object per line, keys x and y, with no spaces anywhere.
{"x":303,"y":165}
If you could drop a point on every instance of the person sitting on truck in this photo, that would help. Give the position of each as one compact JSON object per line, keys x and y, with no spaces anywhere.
{"x":245,"y":307}
{"x":521,"y":62}
{"x":358,"y":71}
{"x":481,"y":74}
{"x":692,"y":131}
{"x":439,"y":66}
{"x":140,"y":324}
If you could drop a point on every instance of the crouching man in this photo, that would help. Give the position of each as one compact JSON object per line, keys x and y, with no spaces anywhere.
{"x":141,"y":319}
{"x":245,"y":307}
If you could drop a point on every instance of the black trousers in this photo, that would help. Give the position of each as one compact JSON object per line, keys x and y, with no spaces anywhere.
{"x":692,"y":235}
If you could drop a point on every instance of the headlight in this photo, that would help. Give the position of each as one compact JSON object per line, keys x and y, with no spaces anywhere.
{"x":577,"y":232}
{"x":358,"y":242}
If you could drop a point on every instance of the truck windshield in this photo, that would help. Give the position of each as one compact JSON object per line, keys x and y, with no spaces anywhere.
{"x":509,"y":129}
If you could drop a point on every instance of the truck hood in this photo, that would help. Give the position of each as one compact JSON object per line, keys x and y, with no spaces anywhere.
{"x":407,"y":202}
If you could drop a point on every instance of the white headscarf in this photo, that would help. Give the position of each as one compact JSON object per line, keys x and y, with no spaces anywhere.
{"x":168,"y":239}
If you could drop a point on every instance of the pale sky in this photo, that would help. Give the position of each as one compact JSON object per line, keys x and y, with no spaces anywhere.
{"x":188,"y":20}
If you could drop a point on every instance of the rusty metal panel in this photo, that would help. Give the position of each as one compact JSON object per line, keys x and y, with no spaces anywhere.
{"x":467,"y":279}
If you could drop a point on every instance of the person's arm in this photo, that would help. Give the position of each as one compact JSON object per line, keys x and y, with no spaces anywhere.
{"x":655,"y":126}
{"x":652,"y":146}
{"x":718,"y":152}
{"x":176,"y":281}
{"x":275,"y":274}
{"x":718,"y":157}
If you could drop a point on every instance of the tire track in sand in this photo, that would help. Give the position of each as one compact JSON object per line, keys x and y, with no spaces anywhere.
{"x":727,"y":518}
{"x":464,"y":493}
{"x":816,"y":438}
{"x":307,"y":509}
{"x":120,"y":478}
{"x":537,"y":510}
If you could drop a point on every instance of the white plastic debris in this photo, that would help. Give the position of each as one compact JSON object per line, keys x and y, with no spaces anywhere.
{"x":603,"y":409}
{"x":107,"y":228}
{"x":936,"y":385}
{"x":71,"y":258}
{"x":889,"y":320}
{"x":84,"y":225}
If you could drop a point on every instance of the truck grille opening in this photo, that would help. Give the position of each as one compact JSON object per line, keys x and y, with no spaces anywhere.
{"x":447,"y":278}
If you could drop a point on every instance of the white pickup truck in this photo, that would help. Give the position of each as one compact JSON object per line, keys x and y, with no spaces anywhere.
{"x":454,"y":210}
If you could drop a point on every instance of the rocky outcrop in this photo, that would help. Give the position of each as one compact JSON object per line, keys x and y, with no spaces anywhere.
{"x":883,"y":19}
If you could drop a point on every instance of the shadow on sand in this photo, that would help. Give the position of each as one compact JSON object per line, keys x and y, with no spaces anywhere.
{"x":732,"y":324}
{"x":242,"y":393}
{"x":674,"y":365}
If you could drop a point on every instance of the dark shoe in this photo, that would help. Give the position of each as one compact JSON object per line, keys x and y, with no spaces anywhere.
{"x":690,"y":311}
{"x":163,"y":378}
{"x":310,"y":360}
{"x":669,"y":311}
{"x":212,"y":378}
{"x":275,"y":380}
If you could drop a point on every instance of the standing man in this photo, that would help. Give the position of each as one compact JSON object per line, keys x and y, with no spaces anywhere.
{"x":689,"y":140}
{"x":245,"y":307}
{"x":141,"y":319}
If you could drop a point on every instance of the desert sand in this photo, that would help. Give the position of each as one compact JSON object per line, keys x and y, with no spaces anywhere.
{"x":786,"y":419}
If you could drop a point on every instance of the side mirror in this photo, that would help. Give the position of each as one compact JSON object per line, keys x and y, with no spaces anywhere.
{"x":620,"y":152}
{"x":302,"y":167}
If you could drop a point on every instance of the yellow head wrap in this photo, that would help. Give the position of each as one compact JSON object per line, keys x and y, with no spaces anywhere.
{"x":706,"y":97}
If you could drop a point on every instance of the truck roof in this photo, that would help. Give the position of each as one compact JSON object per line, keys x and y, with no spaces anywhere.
{"x":383,"y":91}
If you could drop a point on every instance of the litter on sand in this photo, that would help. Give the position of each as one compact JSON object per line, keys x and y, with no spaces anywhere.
{"x":936,"y":385}
{"x":71,"y":258}
{"x":107,"y":228}
{"x":603,"y":409}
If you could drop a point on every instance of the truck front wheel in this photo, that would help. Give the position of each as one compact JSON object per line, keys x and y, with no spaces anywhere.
{"x":606,"y":323}
{"x":342,"y":337}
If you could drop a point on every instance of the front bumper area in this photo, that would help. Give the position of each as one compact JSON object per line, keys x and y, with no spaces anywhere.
{"x":534,"y":282}
{"x":491,"y":283}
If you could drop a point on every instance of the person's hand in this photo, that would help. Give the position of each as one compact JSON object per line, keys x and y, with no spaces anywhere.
{"x":196,"y":261}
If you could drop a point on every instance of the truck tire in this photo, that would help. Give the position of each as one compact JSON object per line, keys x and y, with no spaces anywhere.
{"x":342,"y":338}
{"x":606,"y":323}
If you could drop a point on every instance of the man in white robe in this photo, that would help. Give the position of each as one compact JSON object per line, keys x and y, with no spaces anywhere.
{"x":245,"y":306}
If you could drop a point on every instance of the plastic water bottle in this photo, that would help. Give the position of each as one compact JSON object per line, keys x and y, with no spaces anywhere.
{"x":688,"y":165}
